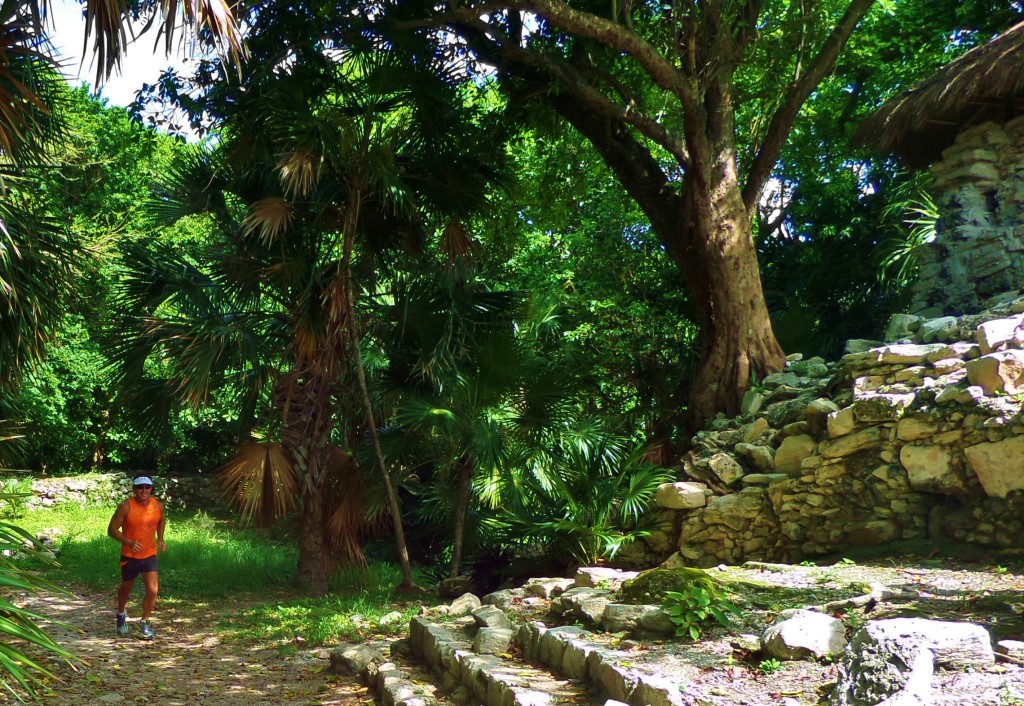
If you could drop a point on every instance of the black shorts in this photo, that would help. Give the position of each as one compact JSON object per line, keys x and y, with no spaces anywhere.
{"x":130,"y":568}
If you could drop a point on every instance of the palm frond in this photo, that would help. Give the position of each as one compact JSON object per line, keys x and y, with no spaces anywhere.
{"x":107,"y":25}
{"x":268,"y":219}
{"x":260,"y":481}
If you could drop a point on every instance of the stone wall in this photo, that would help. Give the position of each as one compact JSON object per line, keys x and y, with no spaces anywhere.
{"x":979,"y":248}
{"x":910,"y":440}
{"x":111,"y":488}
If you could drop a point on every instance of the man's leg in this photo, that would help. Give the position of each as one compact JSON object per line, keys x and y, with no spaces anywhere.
{"x":124,"y":591}
{"x":152,"y":583}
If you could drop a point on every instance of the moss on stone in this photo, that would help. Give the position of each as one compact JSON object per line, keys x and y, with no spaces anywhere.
{"x":649,"y":587}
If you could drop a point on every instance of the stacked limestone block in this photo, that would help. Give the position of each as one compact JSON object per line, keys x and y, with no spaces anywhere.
{"x":896,"y":442}
{"x":979,"y":248}
{"x":193,"y":492}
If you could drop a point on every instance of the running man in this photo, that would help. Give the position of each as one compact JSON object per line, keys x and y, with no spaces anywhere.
{"x":138,"y":525}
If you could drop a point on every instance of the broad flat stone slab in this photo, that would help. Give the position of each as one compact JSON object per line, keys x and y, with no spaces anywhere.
{"x":998,"y":372}
{"x":605,"y":577}
{"x":880,"y":407}
{"x":851,"y":443}
{"x":992,"y":335}
{"x":999,"y":465}
{"x":680,"y":496}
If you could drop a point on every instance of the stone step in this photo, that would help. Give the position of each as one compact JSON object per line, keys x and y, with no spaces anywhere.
{"x":543,"y":666}
{"x":493,"y":679}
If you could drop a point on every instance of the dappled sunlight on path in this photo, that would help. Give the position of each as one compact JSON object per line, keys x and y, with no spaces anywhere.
{"x":187,"y":664}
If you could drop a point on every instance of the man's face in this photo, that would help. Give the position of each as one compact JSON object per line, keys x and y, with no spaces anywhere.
{"x":143,"y":491}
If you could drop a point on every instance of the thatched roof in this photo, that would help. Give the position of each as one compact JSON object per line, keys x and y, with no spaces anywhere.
{"x":986,"y":83}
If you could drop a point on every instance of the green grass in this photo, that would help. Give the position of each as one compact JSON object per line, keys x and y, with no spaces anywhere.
{"x":211,"y":558}
{"x":352,"y":611}
{"x":205,"y":558}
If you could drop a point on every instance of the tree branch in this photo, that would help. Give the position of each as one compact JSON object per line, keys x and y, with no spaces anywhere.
{"x":745,"y":26}
{"x":570,"y":79}
{"x":782,"y":121}
{"x":634,"y":166}
{"x":584,"y":24}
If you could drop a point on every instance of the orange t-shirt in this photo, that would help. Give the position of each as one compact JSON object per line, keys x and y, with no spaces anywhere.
{"x":140,"y":525}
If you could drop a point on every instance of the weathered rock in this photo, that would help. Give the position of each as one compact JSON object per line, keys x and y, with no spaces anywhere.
{"x":817,"y":415}
{"x":878,"y":661}
{"x":755,"y":430}
{"x":491,"y":617}
{"x":492,"y":641}
{"x":603,"y":576}
{"x":941,"y":329}
{"x":761,"y":458}
{"x":726,"y":468}
{"x":622,"y":617}
{"x":649,"y":587}
{"x":1001,"y":372}
{"x":805,"y":634}
{"x":880,"y":407}
{"x":914,"y":428}
{"x":907,"y":353}
{"x":351,"y":660}
{"x":547,"y":587}
{"x":930,"y":469}
{"x":681,"y":496}
{"x":464,"y":605}
{"x":850,"y":444}
{"x":992,"y":335}
{"x":792,"y":451}
{"x":735,"y":509}
{"x":840,"y":423}
{"x":503,"y":599}
{"x":999,"y":465}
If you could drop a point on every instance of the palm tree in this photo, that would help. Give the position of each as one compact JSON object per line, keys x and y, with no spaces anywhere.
{"x":464,"y":387}
{"x":326,"y":163}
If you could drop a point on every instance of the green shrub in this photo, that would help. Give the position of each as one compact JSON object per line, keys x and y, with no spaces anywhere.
{"x":689,"y":610}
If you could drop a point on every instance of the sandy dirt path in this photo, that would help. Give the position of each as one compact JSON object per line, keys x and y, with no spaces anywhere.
{"x":187,"y":664}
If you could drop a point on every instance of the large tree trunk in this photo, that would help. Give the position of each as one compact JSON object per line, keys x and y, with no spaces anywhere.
{"x":715,"y":250}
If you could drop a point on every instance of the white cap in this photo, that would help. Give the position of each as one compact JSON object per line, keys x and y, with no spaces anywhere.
{"x":143,"y":480}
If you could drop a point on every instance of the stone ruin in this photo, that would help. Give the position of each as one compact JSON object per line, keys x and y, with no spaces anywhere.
{"x":921,"y":438}
{"x":978,"y":251}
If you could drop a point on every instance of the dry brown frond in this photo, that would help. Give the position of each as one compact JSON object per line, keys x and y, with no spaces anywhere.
{"x":346,"y":501}
{"x":299,"y":173}
{"x":268,"y":218}
{"x":260,"y":481}
{"x":456,"y":244}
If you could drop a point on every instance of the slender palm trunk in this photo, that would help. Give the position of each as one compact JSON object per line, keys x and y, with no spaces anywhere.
{"x":408,"y":584}
{"x":461,"y":513}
